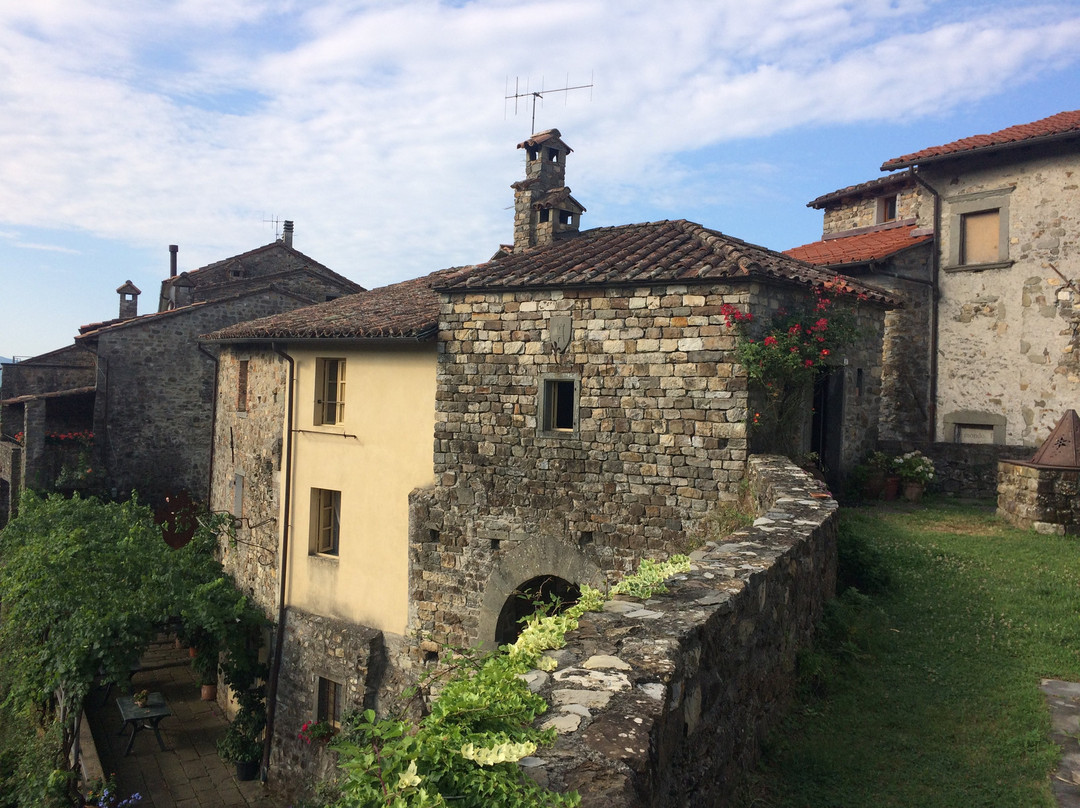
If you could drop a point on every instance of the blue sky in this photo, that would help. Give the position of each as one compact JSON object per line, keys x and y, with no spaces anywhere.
{"x":381,"y":128}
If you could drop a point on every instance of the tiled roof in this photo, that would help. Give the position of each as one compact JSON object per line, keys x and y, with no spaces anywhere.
{"x":1064,"y":124}
{"x":660,"y":252}
{"x":408,"y":310}
{"x":257,"y":266}
{"x":871,"y":188}
{"x":543,"y":137}
{"x":860,"y":248}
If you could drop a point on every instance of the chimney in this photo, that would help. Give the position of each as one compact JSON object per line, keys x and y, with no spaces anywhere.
{"x":129,"y":300}
{"x":286,"y":233}
{"x":543,"y":207}
{"x":173,"y":250}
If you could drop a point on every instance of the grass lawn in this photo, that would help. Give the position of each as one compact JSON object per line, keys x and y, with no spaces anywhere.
{"x":925,"y":690}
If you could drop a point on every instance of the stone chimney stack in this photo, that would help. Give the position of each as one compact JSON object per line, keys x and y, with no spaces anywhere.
{"x":286,"y":233}
{"x":543,"y":207}
{"x":129,"y":300}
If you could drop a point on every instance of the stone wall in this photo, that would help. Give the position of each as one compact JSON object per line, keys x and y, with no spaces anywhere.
{"x":248,"y":444}
{"x":665,"y":703}
{"x":1041,"y":499}
{"x":905,"y":385}
{"x":850,"y":214}
{"x":155,"y":387}
{"x":315,"y":647}
{"x":661,"y":434}
{"x":1009,"y":330}
{"x":967,"y":470}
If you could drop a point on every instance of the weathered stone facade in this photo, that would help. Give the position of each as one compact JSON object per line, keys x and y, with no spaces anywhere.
{"x":1046,"y":500}
{"x":152,"y":413}
{"x":248,"y":449}
{"x":863,"y":210}
{"x":665,"y":703}
{"x":662,"y":436}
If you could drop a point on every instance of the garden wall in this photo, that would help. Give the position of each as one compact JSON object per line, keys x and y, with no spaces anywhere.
{"x":1040,"y":499}
{"x":666,"y":702}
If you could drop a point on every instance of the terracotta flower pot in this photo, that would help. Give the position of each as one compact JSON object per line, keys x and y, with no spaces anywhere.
{"x":892,"y":488}
{"x":209,"y":693}
{"x":913,"y":491}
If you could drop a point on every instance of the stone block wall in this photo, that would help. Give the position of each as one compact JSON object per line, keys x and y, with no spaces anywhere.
{"x":851,"y":214}
{"x":249,"y":444}
{"x":661,"y":434}
{"x":1041,"y":499}
{"x":665,"y":703}
{"x":153,"y":412}
{"x":965,"y":469}
{"x":314,"y":647}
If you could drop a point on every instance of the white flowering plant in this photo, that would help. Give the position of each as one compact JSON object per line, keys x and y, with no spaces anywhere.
{"x":914,"y":467}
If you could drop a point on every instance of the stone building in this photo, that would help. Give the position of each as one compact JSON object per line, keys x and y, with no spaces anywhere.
{"x":140,"y":385}
{"x":981,"y":361}
{"x":878,"y":231}
{"x":586,"y":409}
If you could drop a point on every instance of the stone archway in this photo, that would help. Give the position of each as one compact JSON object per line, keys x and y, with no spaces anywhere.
{"x":556,"y":594}
{"x":530,"y":561}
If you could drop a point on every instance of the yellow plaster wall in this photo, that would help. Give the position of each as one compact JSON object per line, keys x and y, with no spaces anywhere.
{"x":381,"y":452}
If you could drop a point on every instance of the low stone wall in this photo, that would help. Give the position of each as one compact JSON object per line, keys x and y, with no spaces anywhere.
{"x":965,"y":469}
{"x":665,"y":703}
{"x":1039,"y":499}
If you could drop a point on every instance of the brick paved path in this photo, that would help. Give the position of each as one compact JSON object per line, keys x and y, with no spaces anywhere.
{"x":189,"y":774}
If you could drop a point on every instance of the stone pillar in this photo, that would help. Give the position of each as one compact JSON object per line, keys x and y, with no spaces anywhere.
{"x":33,"y":466}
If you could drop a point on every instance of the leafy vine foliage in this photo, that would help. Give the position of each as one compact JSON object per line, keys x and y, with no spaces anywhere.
{"x":784,"y":357}
{"x":465,"y":751}
{"x":85,"y":586}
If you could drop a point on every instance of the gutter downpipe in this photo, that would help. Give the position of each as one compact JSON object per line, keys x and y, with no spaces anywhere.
{"x":279,"y":637}
{"x":213,"y":421}
{"x":936,"y":296}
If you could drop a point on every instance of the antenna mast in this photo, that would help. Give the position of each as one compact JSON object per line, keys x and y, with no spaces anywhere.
{"x":518,"y":94}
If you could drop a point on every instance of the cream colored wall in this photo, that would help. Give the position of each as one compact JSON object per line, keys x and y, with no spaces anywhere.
{"x":380,"y":453}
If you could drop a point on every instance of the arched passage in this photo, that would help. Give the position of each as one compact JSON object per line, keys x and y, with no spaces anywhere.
{"x":539,"y":557}
{"x":542,"y":592}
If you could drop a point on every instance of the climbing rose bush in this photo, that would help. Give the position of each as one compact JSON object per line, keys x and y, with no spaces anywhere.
{"x":784,"y":357}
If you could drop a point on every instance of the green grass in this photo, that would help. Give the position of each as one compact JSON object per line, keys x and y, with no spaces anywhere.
{"x":925,"y":690}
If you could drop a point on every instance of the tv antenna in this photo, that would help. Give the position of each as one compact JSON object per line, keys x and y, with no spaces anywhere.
{"x":538,"y":94}
{"x":276,"y":221}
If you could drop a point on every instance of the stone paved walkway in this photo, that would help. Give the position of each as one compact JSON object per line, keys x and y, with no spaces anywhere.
{"x":189,"y":774}
{"x":1063,"y":699}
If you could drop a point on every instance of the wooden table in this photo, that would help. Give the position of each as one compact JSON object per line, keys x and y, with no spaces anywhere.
{"x":140,"y":718}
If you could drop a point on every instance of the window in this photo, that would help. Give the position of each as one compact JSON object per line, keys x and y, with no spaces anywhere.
{"x":329,"y":706}
{"x":330,"y":392}
{"x":978,"y":230}
{"x":325,"y":521}
{"x":242,"y":386}
{"x":558,"y":403}
{"x":886,"y":209}
{"x":979,"y":237}
{"x":971,"y":426}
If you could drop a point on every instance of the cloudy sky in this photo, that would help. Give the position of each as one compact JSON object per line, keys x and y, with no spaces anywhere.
{"x":381,"y":127}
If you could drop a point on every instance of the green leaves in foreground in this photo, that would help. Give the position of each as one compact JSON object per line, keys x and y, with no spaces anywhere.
{"x":465,"y":752}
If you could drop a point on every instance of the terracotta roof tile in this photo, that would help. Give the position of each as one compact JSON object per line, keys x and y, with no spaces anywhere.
{"x":659,"y":252}
{"x":859,"y":249}
{"x":870,"y":188}
{"x":408,"y":310}
{"x":1064,"y":124}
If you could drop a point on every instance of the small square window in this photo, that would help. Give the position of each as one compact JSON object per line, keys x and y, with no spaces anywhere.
{"x":330,"y":392}
{"x":242,"y":386}
{"x":979,"y":236}
{"x":558,"y":406}
{"x":886,"y":209}
{"x":325,"y":521}
{"x":329,"y":706}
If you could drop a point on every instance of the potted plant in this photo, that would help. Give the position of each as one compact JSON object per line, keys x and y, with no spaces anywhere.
{"x":915,"y":471}
{"x":205,"y":665}
{"x":140,"y":698}
{"x":878,"y":464}
{"x":240,"y":747}
{"x":319,"y":732}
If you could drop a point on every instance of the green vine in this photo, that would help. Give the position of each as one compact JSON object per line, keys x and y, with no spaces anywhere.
{"x":465,"y":752}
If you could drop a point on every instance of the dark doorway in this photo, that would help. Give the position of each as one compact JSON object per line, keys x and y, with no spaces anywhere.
{"x":544,"y":591}
{"x":826,"y":435}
